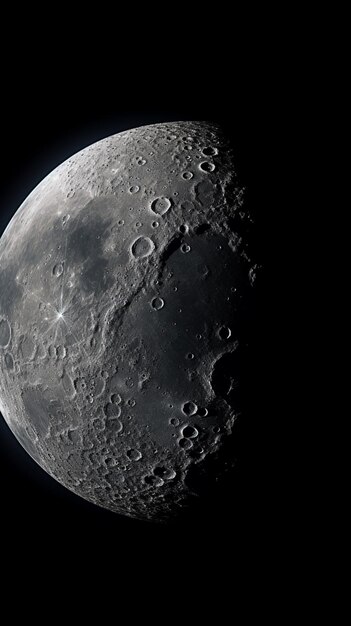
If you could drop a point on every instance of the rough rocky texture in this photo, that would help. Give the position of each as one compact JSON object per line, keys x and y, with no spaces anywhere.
{"x":123,"y":277}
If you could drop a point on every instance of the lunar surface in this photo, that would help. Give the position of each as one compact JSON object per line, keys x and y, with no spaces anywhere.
{"x":123,"y":279}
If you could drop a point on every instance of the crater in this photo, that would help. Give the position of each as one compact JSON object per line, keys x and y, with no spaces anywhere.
{"x":116,"y":398}
{"x":114,"y":425}
{"x":113,"y":410}
{"x":157,"y":303}
{"x":224,"y":332}
{"x":58,"y":270}
{"x":164,"y":472}
{"x":186,"y":444}
{"x":142,"y":247}
{"x":161,"y":205}
{"x":190,"y":432}
{"x":134,"y":455}
{"x":209,"y":151}
{"x":189,"y":408}
{"x":154,"y":481}
{"x":206,"y":166}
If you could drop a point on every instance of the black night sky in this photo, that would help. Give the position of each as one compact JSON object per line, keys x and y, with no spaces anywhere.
{"x":57,"y":119}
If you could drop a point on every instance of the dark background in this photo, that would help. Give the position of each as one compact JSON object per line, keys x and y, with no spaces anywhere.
{"x":44,"y":121}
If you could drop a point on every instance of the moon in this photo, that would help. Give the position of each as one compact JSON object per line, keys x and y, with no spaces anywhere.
{"x":124,"y":277}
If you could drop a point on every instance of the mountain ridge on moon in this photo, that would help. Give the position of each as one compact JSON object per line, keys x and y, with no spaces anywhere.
{"x":124,"y":279}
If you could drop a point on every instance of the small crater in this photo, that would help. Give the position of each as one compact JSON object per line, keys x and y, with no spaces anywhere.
{"x":157,"y":303}
{"x":202,"y":412}
{"x":113,"y":410}
{"x":58,"y":270}
{"x":5,"y":333}
{"x":134,"y":455}
{"x":184,"y":229}
{"x":209,"y":151}
{"x":189,"y":408}
{"x":114,"y":425}
{"x":190,"y":355}
{"x":206,"y":166}
{"x":185,"y":248}
{"x":164,"y":472}
{"x":134,"y":189}
{"x":161,"y":205}
{"x":110,"y":462}
{"x":154,"y":481}
{"x":61,"y":352}
{"x":142,"y":247}
{"x":141,"y":161}
{"x":116,"y":398}
{"x":80,"y":384}
{"x":174,"y":421}
{"x":224,"y":332}
{"x":190,"y":432}
{"x":186,"y":444}
{"x":155,"y":224}
{"x":187,"y":175}
{"x":52,"y":351}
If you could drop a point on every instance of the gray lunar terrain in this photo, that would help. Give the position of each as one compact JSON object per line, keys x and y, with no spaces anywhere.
{"x":122,"y":280}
